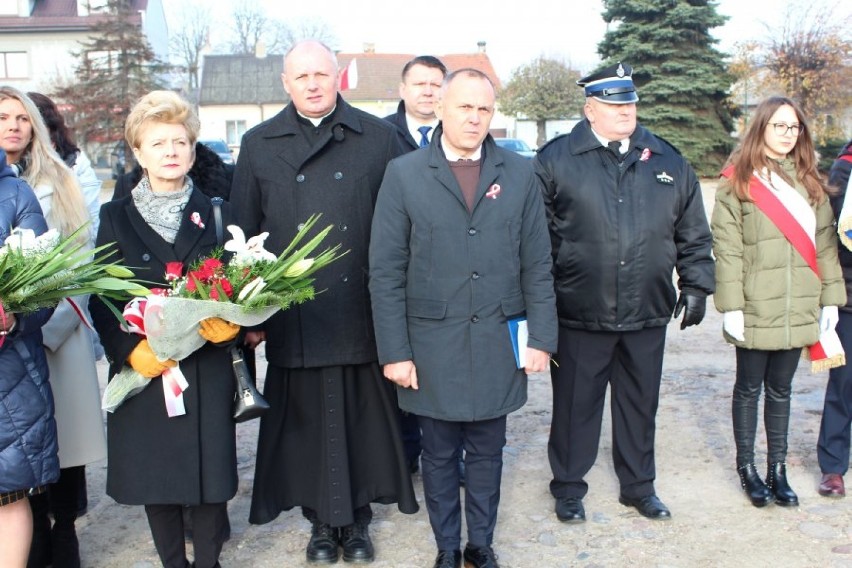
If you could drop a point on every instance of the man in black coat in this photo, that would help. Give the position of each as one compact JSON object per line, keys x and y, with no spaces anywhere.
{"x":415,"y":117}
{"x":331,"y":442}
{"x":625,"y":210}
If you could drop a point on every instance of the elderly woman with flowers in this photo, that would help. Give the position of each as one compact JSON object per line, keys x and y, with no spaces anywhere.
{"x":164,"y":459}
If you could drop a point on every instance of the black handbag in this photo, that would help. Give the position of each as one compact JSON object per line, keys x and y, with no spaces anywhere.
{"x":248,"y":402}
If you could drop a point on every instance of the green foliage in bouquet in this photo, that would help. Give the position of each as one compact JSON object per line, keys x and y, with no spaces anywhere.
{"x":38,"y":272}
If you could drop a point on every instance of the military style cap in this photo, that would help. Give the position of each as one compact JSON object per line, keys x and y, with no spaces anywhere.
{"x":612,"y":85}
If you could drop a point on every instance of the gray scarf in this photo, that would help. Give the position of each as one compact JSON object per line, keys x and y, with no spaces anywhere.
{"x":162,"y":210}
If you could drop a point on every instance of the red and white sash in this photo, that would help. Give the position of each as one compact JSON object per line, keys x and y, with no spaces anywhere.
{"x":792,"y":214}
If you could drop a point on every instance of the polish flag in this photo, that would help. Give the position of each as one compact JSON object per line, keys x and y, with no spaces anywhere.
{"x":349,"y":76}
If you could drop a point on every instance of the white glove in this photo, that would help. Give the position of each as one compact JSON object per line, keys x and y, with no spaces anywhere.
{"x":828,"y":318}
{"x":734,"y":324}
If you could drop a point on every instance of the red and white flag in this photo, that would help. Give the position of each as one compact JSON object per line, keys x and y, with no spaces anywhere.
{"x":349,"y":76}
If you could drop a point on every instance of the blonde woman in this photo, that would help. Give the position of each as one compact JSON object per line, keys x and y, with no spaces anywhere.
{"x":67,"y":341}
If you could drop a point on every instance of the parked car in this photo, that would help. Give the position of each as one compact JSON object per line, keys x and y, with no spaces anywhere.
{"x":220,"y":147}
{"x":516,"y":145}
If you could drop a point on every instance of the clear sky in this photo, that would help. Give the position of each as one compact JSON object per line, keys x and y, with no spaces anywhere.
{"x":515,"y":31}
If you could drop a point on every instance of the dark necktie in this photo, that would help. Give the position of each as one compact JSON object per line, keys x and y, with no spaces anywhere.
{"x":615,"y":148}
{"x":424,"y":140}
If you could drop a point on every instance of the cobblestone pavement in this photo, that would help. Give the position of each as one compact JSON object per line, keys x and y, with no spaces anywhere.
{"x":713,"y":524}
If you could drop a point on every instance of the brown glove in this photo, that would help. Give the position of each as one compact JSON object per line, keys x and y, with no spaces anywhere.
{"x":217,"y":330}
{"x":144,"y":362}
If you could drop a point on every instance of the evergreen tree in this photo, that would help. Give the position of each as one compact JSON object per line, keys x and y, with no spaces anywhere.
{"x":542,"y":90}
{"x":679,"y":74}
{"x":116,"y":66}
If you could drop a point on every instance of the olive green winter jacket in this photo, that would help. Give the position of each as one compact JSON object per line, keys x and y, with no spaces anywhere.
{"x":759,"y":272}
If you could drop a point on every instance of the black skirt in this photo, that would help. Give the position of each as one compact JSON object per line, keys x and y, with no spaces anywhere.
{"x":330,"y":443}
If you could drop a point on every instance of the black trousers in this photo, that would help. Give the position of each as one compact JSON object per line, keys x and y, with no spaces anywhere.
{"x":834,"y":434}
{"x":772,"y":370}
{"x":631,"y":364}
{"x":483,"y":443}
{"x":209,"y":522}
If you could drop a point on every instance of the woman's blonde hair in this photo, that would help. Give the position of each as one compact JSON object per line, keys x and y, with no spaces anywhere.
{"x":160,"y":106}
{"x":68,"y":211}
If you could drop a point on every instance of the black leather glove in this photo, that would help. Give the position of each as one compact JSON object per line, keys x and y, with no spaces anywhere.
{"x":695,"y":307}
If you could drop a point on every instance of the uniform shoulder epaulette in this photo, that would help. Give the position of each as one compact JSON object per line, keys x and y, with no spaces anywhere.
{"x":551,"y":141}
{"x":667,"y":143}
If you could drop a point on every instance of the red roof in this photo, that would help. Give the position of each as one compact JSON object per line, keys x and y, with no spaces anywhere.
{"x":379,"y":74}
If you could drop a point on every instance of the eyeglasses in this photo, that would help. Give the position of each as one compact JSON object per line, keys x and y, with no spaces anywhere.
{"x":782,"y":129}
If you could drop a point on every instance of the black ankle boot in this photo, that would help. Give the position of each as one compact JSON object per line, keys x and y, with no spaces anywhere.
{"x":322,"y":548}
{"x":757,"y":491}
{"x":356,"y":542}
{"x":776,"y":480}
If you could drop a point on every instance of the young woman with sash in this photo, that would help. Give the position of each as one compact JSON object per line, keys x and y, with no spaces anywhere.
{"x":778,"y":281}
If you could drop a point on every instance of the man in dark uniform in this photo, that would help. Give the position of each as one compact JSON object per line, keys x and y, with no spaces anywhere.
{"x":624,"y":210}
{"x":331,"y":441}
{"x":834,"y":434}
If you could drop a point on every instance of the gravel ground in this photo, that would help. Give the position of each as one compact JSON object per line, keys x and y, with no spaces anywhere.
{"x":713,"y":524}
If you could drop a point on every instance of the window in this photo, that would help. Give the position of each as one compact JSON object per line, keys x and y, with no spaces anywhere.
{"x":13,"y":65}
{"x":234,"y":130}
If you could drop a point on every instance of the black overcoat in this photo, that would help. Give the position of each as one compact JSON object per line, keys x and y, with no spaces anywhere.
{"x":287,"y":171}
{"x":154,"y":459}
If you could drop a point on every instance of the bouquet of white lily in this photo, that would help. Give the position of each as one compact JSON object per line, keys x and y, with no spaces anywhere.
{"x":247,"y":290}
{"x":38,"y":272}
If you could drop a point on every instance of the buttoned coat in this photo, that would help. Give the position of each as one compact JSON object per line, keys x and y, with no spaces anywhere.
{"x":288,"y":171}
{"x":154,"y":459}
{"x":445,"y":280}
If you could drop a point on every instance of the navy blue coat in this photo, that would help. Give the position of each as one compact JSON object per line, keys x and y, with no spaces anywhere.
{"x":619,"y":232}
{"x":28,"y":449}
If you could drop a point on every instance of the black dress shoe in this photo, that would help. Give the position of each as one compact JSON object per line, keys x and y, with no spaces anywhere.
{"x":648,"y":506}
{"x":357,"y":546}
{"x":480,"y":557}
{"x":448,"y":559}
{"x":570,"y":510}
{"x":322,"y":548}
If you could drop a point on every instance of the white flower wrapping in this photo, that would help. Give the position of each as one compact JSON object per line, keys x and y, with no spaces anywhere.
{"x":171,"y":326}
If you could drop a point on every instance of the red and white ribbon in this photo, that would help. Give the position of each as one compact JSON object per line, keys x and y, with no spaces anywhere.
{"x":174,"y":383}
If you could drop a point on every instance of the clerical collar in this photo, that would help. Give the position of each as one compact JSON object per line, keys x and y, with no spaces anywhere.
{"x":317,"y":121}
{"x":625,"y":142}
{"x":453,"y":157}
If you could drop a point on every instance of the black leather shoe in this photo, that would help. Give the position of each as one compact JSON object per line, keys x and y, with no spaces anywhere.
{"x":357,"y":546}
{"x":322,"y":548}
{"x":757,"y":491}
{"x":480,"y":557}
{"x":448,"y":559}
{"x":776,"y":480}
{"x":570,"y":510}
{"x":648,"y":506}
